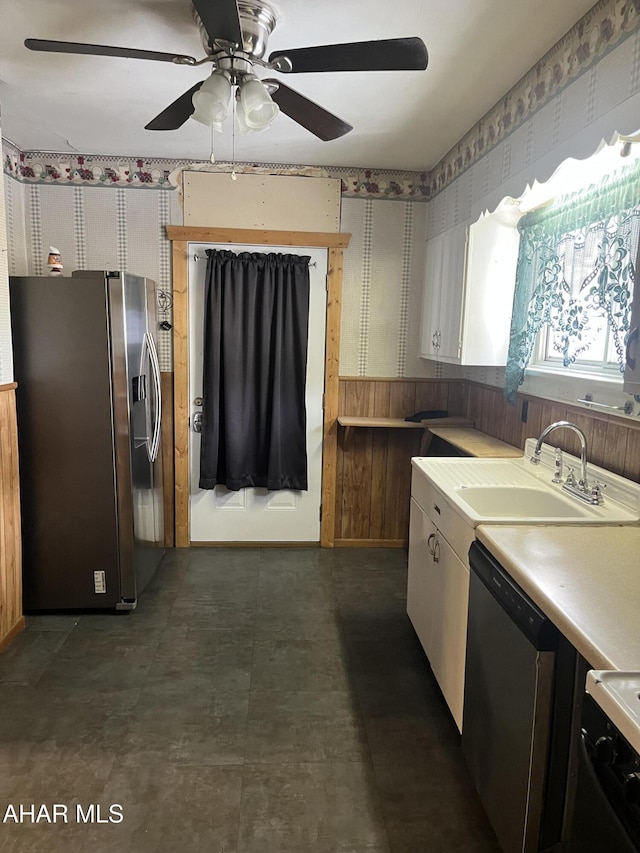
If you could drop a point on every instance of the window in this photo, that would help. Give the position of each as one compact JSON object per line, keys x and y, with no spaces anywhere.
{"x":600,"y":357}
{"x":574,"y":279}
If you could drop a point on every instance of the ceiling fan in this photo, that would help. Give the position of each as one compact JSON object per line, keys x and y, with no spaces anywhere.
{"x":235,"y":35}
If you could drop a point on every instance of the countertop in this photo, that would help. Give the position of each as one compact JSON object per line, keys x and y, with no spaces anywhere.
{"x":585,"y":579}
{"x":476,"y":443}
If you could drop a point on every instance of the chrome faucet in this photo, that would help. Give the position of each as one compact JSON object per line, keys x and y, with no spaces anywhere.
{"x":581,"y":489}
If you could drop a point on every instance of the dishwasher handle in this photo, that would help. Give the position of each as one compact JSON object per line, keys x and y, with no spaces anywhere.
{"x":533,"y":623}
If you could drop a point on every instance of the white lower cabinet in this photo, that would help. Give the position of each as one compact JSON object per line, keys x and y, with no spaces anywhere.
{"x":449,"y":625}
{"x":420,"y":577}
{"x":437,"y":603}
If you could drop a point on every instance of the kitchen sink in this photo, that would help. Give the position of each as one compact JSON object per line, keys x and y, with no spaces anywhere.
{"x":522,"y":502}
{"x":513,"y":491}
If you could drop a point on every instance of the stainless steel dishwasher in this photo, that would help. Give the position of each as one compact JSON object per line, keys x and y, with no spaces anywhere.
{"x":508,"y":702}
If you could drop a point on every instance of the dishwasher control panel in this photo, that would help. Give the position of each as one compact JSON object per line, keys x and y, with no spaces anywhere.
{"x":538,"y":629}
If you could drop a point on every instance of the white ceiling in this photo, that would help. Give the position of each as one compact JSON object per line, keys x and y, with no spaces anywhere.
{"x":478,"y":49}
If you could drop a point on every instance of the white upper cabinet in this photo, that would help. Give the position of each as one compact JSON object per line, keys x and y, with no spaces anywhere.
{"x":468,"y":296}
{"x":442,"y":300}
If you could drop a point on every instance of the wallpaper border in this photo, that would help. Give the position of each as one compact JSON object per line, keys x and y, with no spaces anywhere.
{"x":62,"y":169}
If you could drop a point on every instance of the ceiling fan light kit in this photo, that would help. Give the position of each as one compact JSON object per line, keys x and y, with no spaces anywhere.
{"x":235,"y":34}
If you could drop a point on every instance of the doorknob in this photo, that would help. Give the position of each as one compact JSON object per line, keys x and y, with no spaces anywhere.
{"x":197,"y":422}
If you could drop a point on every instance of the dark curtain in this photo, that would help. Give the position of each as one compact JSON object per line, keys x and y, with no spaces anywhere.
{"x":255,"y":363}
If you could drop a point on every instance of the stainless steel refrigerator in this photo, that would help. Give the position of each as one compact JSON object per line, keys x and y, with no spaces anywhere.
{"x":89,"y":406}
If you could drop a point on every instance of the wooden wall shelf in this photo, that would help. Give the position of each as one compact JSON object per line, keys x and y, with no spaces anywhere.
{"x":349,"y":423}
{"x":473,"y":442}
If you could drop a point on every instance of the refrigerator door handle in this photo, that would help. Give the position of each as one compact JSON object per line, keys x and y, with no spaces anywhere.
{"x":155,"y":373}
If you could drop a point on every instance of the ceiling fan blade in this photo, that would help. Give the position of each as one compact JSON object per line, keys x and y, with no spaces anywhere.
{"x":175,"y":115}
{"x":407,"y":54}
{"x":106,"y":50}
{"x":319,"y":121}
{"x":220,"y":19}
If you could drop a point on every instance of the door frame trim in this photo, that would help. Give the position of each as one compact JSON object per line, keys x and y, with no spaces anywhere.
{"x":335,"y":243}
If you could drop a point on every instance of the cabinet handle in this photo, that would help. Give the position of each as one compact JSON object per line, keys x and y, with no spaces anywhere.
{"x":633,"y":334}
{"x":434,"y":549}
{"x":431,"y":548}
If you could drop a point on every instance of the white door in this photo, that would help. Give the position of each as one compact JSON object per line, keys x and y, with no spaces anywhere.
{"x":259,"y":515}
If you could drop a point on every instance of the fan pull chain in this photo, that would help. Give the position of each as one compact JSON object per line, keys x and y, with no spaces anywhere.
{"x":212,"y":157}
{"x":234,"y":177}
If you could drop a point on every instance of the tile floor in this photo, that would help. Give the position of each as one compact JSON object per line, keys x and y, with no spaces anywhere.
{"x":258,"y":701}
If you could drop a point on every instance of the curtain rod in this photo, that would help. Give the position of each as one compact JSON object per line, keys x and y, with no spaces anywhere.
{"x":204,"y":258}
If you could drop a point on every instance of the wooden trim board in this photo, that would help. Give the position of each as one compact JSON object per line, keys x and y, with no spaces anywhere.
{"x":9,"y":386}
{"x":10,"y":636}
{"x":287,"y":544}
{"x":167,"y":445}
{"x":404,"y":379}
{"x":331,"y":397}
{"x":10,"y":528}
{"x":258,"y":237}
{"x":181,"y":392}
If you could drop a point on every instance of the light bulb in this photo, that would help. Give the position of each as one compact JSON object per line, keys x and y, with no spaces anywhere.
{"x":211,"y":101}
{"x":243,"y":127}
{"x":259,"y":111}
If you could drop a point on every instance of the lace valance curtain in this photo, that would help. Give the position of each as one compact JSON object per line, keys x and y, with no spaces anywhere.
{"x":575,"y":272}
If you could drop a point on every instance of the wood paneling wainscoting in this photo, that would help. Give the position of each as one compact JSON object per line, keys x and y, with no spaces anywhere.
{"x":613,"y":442}
{"x":11,"y":618}
{"x":373,"y":481}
